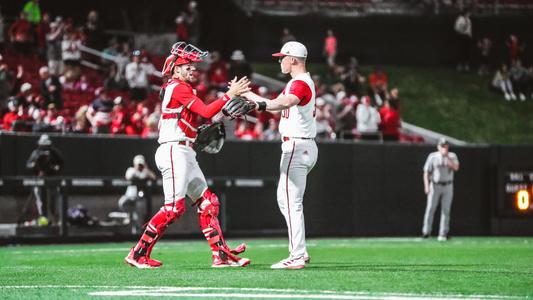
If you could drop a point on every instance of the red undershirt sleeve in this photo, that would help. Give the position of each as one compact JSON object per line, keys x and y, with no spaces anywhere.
{"x":301,"y":90}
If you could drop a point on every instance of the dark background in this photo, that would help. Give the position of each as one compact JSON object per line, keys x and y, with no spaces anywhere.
{"x":426,"y":40}
{"x":356,"y":189}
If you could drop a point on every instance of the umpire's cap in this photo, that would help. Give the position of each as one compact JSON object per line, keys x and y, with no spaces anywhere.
{"x":443,"y":142}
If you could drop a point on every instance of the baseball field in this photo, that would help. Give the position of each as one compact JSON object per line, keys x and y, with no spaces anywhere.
{"x":360,"y":268}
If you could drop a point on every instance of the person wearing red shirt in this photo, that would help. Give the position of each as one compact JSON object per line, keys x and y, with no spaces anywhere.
{"x":20,"y":34}
{"x":378,"y":82}
{"x":390,"y":122}
{"x":176,"y":159}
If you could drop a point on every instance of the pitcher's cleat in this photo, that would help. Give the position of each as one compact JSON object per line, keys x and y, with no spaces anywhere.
{"x":289,"y":263}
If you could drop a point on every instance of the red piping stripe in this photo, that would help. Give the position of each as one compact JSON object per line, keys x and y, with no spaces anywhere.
{"x":287,"y":191}
{"x":173,"y":184}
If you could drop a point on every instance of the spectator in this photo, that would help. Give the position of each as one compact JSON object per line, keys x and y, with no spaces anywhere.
{"x":53,"y":48}
{"x":502,"y":83}
{"x":26,"y":96}
{"x":514,"y":47}
{"x":218,"y":71}
{"x":50,"y":88}
{"x":71,"y":55}
{"x":272,"y":132}
{"x":330,"y":48}
{"x":367,"y":120}
{"x":136,"y":123}
{"x":239,"y":67}
{"x":390,"y":122}
{"x":53,"y":119}
{"x":81,"y":123}
{"x":41,"y":30}
{"x":21,"y":35}
{"x":353,"y":80}
{"x":193,"y":22}
{"x":378,"y":82}
{"x":5,"y":83}
{"x":110,"y":53}
{"x":394,"y":98}
{"x":118,"y":117}
{"x":323,"y":120}
{"x":286,"y":36}
{"x":99,"y":113}
{"x":484,"y":45}
{"x":181,"y":29}
{"x":345,"y":117}
{"x":137,"y":74}
{"x":519,"y":78}
{"x":93,"y":33}
{"x":463,"y":29}
{"x":12,"y":115}
{"x":33,"y":11}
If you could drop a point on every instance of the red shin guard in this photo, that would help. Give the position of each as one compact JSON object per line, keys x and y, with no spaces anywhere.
{"x":156,"y":227}
{"x":208,"y":209}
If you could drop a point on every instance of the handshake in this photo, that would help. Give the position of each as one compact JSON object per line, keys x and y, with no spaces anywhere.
{"x":238,"y":105}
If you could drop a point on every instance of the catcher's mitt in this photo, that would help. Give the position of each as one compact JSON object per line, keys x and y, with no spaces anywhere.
{"x":237,"y":107}
{"x":210,"y":137}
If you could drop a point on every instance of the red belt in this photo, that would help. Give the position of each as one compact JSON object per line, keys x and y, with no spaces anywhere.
{"x":285,"y":138}
{"x":171,"y":116}
{"x":185,"y":143}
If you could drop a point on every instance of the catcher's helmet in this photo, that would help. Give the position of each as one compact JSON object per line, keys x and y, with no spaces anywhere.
{"x":180,"y":54}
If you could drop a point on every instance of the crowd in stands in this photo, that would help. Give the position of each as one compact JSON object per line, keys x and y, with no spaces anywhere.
{"x":47,"y":86}
{"x":512,"y":78}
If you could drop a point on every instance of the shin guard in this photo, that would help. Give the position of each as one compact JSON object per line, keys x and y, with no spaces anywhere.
{"x":156,"y":227}
{"x":208,"y":209}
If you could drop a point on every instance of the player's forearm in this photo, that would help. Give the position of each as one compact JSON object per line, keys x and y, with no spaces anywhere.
{"x":208,"y":111}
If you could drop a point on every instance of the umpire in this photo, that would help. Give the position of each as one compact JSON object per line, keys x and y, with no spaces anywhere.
{"x":438,"y":186}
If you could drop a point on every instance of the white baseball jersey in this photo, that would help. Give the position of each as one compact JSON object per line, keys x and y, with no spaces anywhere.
{"x":299,"y":120}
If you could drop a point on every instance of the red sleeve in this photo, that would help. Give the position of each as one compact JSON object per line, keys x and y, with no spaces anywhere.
{"x":301,"y":90}
{"x":183,"y":95}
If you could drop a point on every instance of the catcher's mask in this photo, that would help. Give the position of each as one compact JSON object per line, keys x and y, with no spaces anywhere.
{"x":180,"y":54}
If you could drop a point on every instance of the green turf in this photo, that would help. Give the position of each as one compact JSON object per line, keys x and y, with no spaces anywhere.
{"x":456,"y":104}
{"x":461,"y":266}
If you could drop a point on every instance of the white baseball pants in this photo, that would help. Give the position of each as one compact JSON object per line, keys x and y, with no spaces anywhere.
{"x":181,"y":173}
{"x":297,"y":159}
{"x":444,"y":195}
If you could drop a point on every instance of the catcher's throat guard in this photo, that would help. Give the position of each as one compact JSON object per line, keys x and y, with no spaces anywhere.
{"x":210,"y":138}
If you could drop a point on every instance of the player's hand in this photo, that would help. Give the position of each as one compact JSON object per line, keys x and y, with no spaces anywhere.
{"x":426,"y":189}
{"x":237,"y":87}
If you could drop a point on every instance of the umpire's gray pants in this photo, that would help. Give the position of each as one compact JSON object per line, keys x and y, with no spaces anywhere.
{"x":438,"y":193}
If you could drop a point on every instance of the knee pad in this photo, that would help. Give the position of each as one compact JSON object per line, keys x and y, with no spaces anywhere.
{"x":209,"y":204}
{"x":166,"y":216}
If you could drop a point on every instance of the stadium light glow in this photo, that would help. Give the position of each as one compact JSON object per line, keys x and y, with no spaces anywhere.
{"x":522,"y":199}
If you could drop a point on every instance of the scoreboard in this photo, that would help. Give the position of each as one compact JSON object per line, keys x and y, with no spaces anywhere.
{"x":518,"y":193}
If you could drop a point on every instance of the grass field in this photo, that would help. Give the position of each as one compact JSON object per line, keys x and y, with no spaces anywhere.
{"x":379,"y":268}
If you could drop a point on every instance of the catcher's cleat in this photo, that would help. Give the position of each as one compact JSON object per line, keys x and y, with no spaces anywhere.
{"x":142,"y":262}
{"x":239,"y":249}
{"x":289,"y":263}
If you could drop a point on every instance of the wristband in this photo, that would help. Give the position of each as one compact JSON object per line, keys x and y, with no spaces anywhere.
{"x":225,"y":97}
{"x":261,"y":105}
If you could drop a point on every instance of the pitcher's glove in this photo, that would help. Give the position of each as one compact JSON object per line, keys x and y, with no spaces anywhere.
{"x":237,"y":107}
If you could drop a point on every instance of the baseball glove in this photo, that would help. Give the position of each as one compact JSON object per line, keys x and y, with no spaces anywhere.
{"x":210,"y":138}
{"x":237,"y":107}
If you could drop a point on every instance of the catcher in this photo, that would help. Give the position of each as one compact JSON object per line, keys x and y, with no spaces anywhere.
{"x":176,"y":159}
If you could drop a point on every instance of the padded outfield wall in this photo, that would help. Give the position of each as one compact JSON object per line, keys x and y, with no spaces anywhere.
{"x":356,"y":189}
